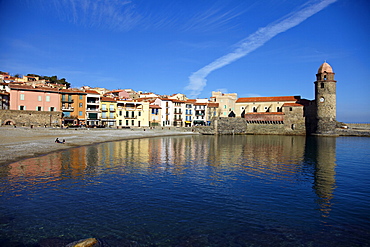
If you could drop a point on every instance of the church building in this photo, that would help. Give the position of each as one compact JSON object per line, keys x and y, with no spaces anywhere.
{"x":292,"y":114}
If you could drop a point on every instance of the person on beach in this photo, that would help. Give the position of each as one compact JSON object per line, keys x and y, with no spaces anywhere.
{"x":57,"y":140}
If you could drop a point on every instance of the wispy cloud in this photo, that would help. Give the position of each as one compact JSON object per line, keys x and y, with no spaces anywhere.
{"x":119,"y":15}
{"x":197,"y":80}
{"x":213,"y":18}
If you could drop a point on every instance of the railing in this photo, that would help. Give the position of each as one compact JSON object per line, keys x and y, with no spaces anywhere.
{"x":67,"y":108}
{"x":67,"y":101}
{"x":92,"y":109}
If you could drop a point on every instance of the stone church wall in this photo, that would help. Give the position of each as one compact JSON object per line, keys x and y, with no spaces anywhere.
{"x":30,"y":118}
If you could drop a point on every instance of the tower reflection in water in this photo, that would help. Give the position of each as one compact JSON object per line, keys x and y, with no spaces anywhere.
{"x":321,"y":153}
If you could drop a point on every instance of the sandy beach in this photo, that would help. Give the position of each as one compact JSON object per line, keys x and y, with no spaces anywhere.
{"x":19,"y":143}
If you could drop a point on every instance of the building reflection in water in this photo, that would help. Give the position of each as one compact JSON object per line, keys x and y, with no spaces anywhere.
{"x":267,"y":157}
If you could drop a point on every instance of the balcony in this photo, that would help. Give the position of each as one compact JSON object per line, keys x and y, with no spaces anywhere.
{"x":70,"y":101}
{"x":92,"y":109}
{"x":178,"y":112}
{"x":130,"y":108}
{"x":67,"y":108}
{"x":93,"y":102}
{"x":130,"y":117}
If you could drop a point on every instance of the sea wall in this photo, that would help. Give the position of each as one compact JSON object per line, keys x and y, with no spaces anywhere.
{"x":359,"y":126}
{"x":239,"y":126}
{"x":30,"y":118}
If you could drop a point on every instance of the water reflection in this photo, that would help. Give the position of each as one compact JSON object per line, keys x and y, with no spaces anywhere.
{"x":190,"y":184}
{"x":321,"y":153}
{"x":265,"y":157}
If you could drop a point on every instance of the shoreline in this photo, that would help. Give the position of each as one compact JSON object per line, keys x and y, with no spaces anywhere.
{"x":21,"y":143}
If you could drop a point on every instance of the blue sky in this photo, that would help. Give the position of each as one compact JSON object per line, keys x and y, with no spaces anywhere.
{"x":253,"y":48}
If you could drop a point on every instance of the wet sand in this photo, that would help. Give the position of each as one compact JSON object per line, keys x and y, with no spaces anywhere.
{"x":19,"y":143}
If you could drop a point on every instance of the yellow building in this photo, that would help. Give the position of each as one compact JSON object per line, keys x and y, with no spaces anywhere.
{"x":131,"y":113}
{"x":108,"y":107}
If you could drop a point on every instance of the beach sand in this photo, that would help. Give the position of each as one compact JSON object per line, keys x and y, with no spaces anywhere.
{"x":21,"y":142}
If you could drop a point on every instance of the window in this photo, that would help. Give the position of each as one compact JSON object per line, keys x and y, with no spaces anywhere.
{"x":38,"y":108}
{"x":104,"y":115}
{"x":139,"y":113}
{"x":225,"y":106}
{"x":22,"y":107}
{"x":120,"y":113}
{"x":21,"y":97}
{"x":132,"y":122}
{"x":104,"y":107}
{"x":111,"y":115}
{"x":322,"y":85}
{"x":111,"y":107}
{"x":80,"y":96}
{"x":127,"y":115}
{"x":47,"y":98}
{"x":51,"y":108}
{"x":126,"y":122}
{"x":79,"y":104}
{"x":254,"y":109}
{"x":132,"y":114}
{"x":80,"y":113}
{"x":290,"y":108}
{"x":120,"y":122}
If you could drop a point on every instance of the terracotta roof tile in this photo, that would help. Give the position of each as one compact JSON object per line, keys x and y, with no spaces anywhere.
{"x":108,"y":99}
{"x":268,"y":99}
{"x":293,"y":104}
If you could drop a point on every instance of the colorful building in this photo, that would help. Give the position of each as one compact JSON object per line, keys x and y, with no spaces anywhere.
{"x":73,"y":104}
{"x":34,"y":98}
{"x":108,"y":111}
{"x":93,"y":113}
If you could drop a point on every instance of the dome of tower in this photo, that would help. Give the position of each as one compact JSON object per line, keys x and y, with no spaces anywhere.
{"x":325,"y":67}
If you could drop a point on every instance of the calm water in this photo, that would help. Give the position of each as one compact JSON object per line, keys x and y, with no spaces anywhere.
{"x":192,"y":191}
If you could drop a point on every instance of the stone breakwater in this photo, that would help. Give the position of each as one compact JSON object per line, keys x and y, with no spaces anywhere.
{"x":24,"y":142}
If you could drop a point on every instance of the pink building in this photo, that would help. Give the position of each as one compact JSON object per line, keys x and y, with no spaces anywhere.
{"x":34,"y":98}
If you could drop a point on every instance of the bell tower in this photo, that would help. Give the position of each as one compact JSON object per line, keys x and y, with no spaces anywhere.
{"x":325,"y":99}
